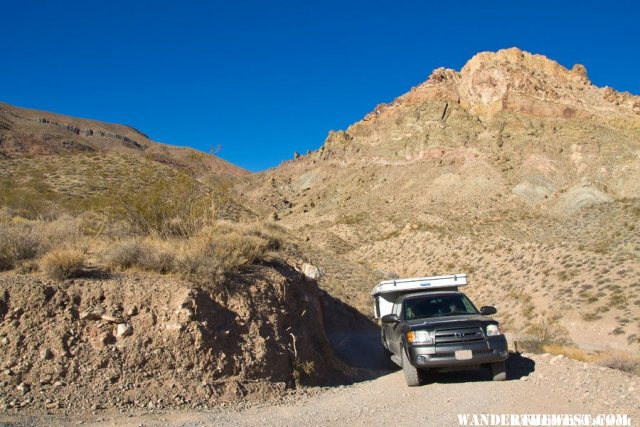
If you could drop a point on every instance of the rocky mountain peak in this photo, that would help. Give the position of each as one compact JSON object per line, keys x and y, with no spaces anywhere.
{"x":514,"y":80}
{"x":509,"y":81}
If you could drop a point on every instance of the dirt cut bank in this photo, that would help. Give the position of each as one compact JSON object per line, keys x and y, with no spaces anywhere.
{"x":138,"y":341}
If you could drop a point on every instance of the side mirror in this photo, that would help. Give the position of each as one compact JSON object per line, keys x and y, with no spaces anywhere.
{"x":390,"y":318}
{"x":488,"y":310}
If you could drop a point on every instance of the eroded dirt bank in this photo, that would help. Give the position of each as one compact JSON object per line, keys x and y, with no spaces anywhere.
{"x":156,"y":342}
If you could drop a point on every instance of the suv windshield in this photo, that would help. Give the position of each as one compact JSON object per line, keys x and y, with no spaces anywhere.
{"x":437,"y":306}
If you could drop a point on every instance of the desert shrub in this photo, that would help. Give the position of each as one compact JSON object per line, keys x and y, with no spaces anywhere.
{"x":272,"y":233}
{"x":618,"y":300}
{"x":18,"y":242}
{"x":546,"y":331}
{"x":166,"y":208}
{"x":224,"y":249}
{"x":161,"y":260}
{"x":303,"y":370}
{"x":527,"y":309}
{"x":27,"y":267}
{"x":621,"y":361}
{"x":233,"y":249}
{"x":352,"y":219}
{"x":206,"y":258}
{"x":237,"y":250}
{"x":157,"y":255}
{"x":617,"y":331}
{"x":200,"y":268}
{"x":60,"y":231}
{"x":590,"y":316}
{"x":145,"y":254}
{"x":125,"y":254}
{"x":64,"y":263}
{"x":29,"y":201}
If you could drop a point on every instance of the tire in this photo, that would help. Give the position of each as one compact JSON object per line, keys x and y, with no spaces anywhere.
{"x":412,"y":375}
{"x":499,"y":371}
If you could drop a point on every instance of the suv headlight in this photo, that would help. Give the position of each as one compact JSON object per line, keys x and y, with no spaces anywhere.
{"x":419,"y":337}
{"x":493,"y":330}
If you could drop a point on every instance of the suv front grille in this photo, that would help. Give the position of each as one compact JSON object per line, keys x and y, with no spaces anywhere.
{"x":458,"y":335}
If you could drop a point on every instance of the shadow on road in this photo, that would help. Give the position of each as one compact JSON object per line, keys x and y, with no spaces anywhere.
{"x":355,"y":339}
{"x":519,"y":366}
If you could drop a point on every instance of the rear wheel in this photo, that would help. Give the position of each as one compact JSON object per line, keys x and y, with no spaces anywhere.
{"x":499,"y":371}
{"x":412,"y":375}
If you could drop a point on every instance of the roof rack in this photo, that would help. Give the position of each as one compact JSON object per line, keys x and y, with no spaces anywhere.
{"x":384,"y":293}
{"x":420,"y":284}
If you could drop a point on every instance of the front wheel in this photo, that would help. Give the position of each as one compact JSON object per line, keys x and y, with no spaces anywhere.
{"x":412,"y":375}
{"x":499,"y":371}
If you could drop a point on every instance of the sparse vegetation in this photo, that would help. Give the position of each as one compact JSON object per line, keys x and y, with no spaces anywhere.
{"x":571,"y":352}
{"x":64,"y":263}
{"x":546,"y":331}
{"x":590,"y":316}
{"x":610,"y":359}
{"x":621,"y":361}
{"x":224,"y":249}
{"x":18,"y":242}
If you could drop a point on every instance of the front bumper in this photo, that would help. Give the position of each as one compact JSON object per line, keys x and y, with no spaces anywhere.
{"x":492,"y":350}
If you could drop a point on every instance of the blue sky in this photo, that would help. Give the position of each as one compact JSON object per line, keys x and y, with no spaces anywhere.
{"x":266,"y":78}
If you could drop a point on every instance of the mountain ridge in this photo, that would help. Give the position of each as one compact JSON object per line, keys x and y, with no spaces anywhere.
{"x":33,"y":132}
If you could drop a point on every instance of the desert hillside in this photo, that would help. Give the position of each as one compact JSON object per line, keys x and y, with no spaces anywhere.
{"x":514,"y":169}
{"x":25,"y":132}
{"x":132,"y":275}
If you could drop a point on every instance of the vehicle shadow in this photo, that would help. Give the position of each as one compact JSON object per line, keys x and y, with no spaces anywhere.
{"x":355,"y":339}
{"x":518,"y":366}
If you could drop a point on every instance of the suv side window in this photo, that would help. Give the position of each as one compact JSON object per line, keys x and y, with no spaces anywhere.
{"x":397,"y":309}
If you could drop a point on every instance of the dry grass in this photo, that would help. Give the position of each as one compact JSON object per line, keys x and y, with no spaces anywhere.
{"x":574,"y":353}
{"x":64,"y":263}
{"x":226,"y":248}
{"x":611,"y":359}
{"x":207,"y":258}
{"x":23,"y":240}
{"x":18,"y":242}
{"x":149,"y":254}
{"x":621,"y":361}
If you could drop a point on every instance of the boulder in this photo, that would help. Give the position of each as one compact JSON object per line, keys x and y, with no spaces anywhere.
{"x":311,"y":271}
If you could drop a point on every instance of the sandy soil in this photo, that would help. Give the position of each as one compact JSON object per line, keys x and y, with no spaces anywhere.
{"x":536,"y":384}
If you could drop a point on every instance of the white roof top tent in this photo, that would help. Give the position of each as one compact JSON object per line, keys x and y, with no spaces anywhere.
{"x":385,"y":293}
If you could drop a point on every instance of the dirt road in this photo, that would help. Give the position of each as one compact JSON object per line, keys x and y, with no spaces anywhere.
{"x":537,"y":384}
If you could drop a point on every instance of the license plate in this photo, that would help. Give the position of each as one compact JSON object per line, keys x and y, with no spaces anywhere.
{"x":463,"y":354}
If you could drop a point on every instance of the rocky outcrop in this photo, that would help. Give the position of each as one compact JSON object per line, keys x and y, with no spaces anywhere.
{"x":88,"y":132}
